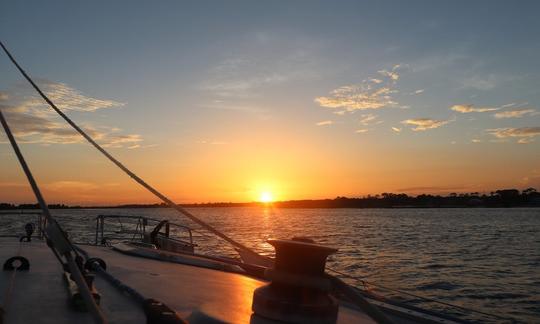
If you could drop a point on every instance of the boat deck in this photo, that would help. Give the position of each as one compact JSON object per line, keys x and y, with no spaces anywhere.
{"x":196,"y":294}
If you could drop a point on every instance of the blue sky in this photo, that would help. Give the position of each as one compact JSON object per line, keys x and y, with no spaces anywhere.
{"x":364,"y":89}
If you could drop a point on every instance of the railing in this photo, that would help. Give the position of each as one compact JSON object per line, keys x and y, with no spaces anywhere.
{"x":18,"y":216}
{"x":134,"y":228}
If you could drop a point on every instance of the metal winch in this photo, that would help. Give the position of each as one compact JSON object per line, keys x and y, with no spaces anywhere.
{"x":299,"y":290}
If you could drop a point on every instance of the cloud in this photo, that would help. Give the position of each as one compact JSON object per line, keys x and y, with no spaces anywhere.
{"x":139,"y":146}
{"x":324,"y":123}
{"x":393,"y":75}
{"x":372,"y":93}
{"x":368,"y":119}
{"x":79,"y":190}
{"x":419,"y":91}
{"x":9,"y":185}
{"x":40,"y":130}
{"x":470,"y":108}
{"x":213,"y":142}
{"x":32,"y":121}
{"x":357,"y":97}
{"x":65,"y":97}
{"x":476,"y":140}
{"x":397,"y":130}
{"x":432,"y":189}
{"x":525,"y":140}
{"x":361,"y":131}
{"x":514,"y":113}
{"x":110,"y":139}
{"x":423,"y":124}
{"x":524,"y":134}
{"x":71,"y":185}
{"x":219,"y":104}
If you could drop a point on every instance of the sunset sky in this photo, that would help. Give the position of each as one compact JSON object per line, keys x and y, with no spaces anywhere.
{"x":227,"y":100}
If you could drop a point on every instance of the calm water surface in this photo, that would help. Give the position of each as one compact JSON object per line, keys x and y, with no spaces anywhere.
{"x":486,"y":259}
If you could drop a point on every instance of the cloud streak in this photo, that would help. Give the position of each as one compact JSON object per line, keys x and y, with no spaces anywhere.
{"x":422,"y":124}
{"x":372,"y":93}
{"x":324,"y":123}
{"x":514,"y":113}
{"x":368,"y":119}
{"x":524,"y":134}
{"x":32,"y":121}
{"x":468,"y":108}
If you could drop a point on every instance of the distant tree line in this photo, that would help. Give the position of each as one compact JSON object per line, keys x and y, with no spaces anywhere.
{"x":498,"y":198}
{"x":34,"y":206}
{"x":529,"y":197}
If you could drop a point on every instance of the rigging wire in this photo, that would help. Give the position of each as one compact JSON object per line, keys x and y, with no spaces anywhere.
{"x":139,"y":180}
{"x":365,"y":283}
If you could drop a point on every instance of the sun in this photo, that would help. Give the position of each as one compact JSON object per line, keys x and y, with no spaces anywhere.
{"x":266,"y":197}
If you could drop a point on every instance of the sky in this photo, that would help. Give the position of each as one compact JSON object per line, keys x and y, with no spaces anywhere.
{"x":238,"y":100}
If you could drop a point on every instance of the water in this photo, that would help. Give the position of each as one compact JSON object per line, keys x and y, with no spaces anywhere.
{"x":486,"y":259}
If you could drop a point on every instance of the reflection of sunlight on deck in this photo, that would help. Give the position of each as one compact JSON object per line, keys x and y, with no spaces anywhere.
{"x":238,"y":309}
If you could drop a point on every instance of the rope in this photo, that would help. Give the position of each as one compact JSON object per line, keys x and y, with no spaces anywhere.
{"x":113,"y":280}
{"x":137,"y":179}
{"x":9,"y":289}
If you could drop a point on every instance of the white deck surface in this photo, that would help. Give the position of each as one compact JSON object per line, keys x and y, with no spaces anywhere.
{"x":40,"y":295}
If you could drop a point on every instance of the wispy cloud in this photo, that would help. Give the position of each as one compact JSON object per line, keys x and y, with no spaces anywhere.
{"x":71,"y":185}
{"x":80,"y":190}
{"x":368,"y":119}
{"x":33,"y":121}
{"x":419,"y":91}
{"x":469,"y":108}
{"x":515,"y":113}
{"x":213,"y":142}
{"x":65,"y":97}
{"x":324,"y":123}
{"x":361,"y":131}
{"x":433,"y":189}
{"x":263,"y":61}
{"x":41,"y":130}
{"x":372,"y":93}
{"x":396,"y":129}
{"x":392,"y":74}
{"x":422,"y":124}
{"x":524,"y":134}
